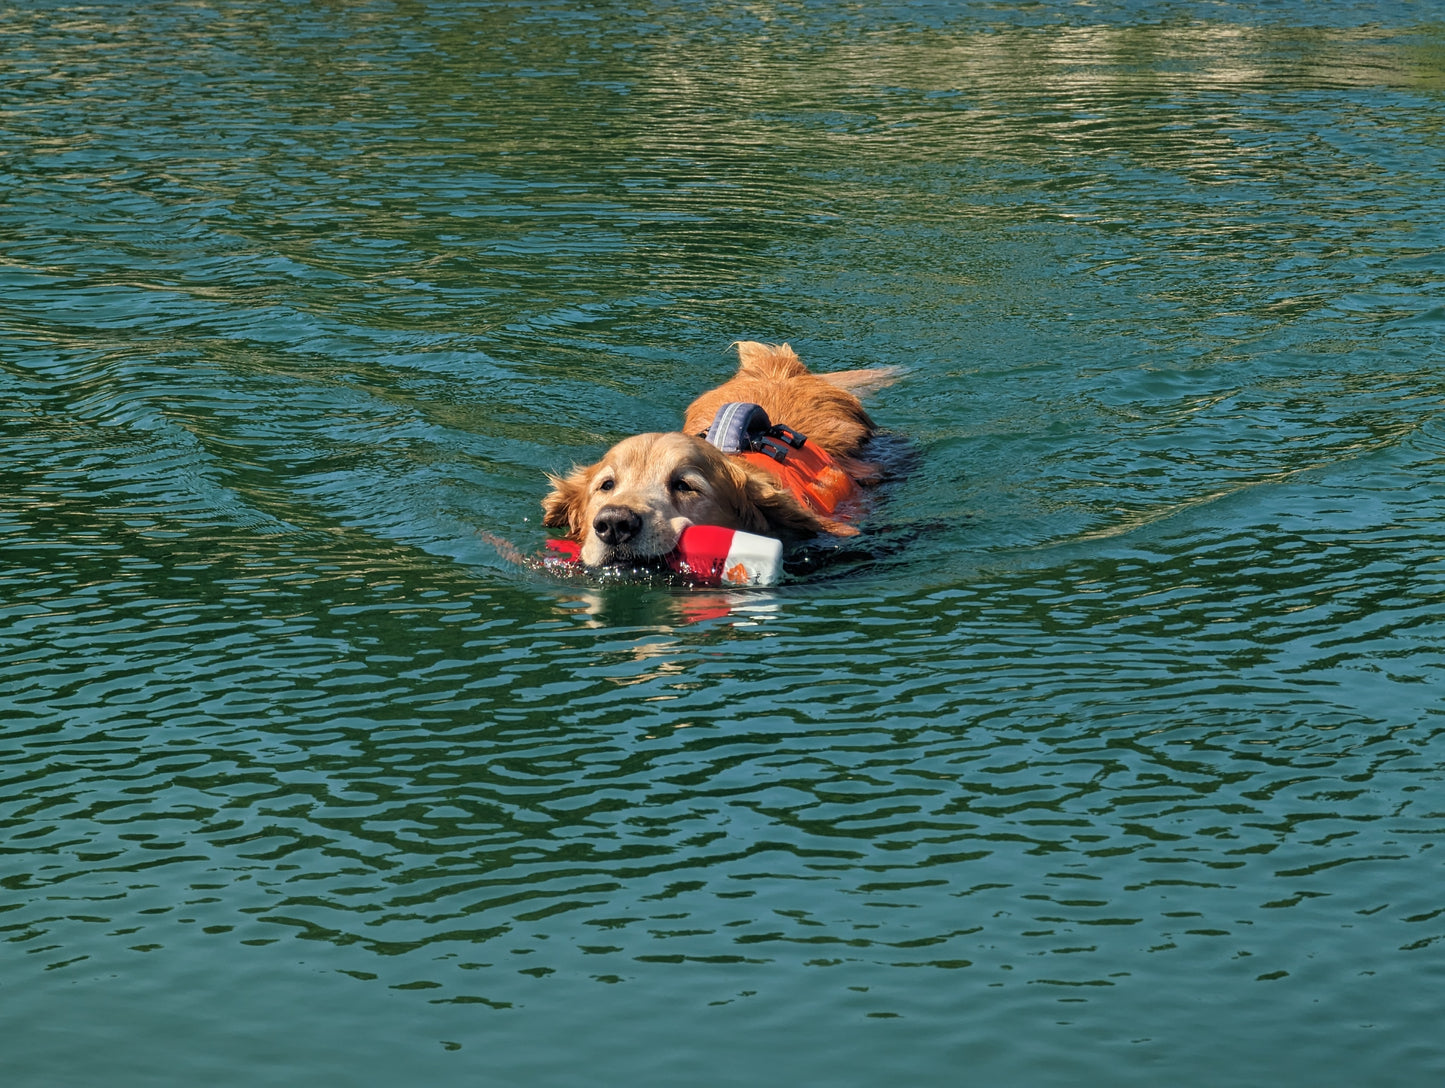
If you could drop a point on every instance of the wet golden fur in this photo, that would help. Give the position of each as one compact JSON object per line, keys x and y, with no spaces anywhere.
{"x":645,"y":490}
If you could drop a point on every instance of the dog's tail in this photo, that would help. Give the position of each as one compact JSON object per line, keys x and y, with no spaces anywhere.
{"x":780,"y":361}
{"x":863,"y":382}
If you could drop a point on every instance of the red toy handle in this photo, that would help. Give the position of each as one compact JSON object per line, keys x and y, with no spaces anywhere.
{"x":708,"y":554}
{"x":569,"y":551}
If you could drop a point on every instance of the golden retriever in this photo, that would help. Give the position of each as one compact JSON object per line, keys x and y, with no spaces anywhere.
{"x":633,"y":503}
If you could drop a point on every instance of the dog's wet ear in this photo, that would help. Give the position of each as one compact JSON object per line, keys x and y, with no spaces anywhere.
{"x":765,"y":507}
{"x":566,"y":503}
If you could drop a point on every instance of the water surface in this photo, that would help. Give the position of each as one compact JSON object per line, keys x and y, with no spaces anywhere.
{"x":1113,"y":756}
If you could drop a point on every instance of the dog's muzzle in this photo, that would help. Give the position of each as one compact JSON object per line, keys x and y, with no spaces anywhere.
{"x":615,"y":526}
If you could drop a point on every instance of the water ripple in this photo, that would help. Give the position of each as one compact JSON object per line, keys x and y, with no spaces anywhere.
{"x":1117,"y":732}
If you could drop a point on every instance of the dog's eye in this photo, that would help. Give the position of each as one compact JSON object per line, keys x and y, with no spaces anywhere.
{"x":606,"y":485}
{"x":682,"y":487}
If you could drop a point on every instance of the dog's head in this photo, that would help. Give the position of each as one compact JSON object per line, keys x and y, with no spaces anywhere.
{"x":634,"y":502}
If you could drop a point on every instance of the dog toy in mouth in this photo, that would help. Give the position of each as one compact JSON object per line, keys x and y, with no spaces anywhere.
{"x":710,"y":555}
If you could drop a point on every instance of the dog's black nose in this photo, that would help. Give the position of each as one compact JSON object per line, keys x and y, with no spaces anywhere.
{"x":616,"y":525}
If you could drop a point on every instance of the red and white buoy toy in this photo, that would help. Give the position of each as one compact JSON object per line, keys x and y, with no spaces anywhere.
{"x":711,"y":556}
{"x":727,"y":557}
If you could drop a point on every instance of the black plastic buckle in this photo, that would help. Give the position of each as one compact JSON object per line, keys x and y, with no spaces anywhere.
{"x":775,"y":449}
{"x":788,"y":435}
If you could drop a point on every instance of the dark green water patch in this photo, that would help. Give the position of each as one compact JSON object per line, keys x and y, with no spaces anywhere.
{"x":1110,"y":754}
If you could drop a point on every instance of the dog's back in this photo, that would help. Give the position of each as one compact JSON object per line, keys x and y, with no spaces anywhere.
{"x":773,"y":376}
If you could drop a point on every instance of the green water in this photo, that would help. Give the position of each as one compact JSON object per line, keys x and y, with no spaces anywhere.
{"x":1110,"y":755}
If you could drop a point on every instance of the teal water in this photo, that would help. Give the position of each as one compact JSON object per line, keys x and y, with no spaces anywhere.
{"x":1111,"y":755}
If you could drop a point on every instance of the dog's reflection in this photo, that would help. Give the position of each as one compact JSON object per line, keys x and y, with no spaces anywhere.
{"x":625,"y":606}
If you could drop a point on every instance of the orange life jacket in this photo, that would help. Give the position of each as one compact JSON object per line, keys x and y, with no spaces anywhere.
{"x":744,"y":430}
{"x":811,"y":475}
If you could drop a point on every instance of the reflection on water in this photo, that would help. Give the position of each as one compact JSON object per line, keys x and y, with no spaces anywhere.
{"x":1117,"y":735}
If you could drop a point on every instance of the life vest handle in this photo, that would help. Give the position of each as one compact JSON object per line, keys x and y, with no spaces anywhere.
{"x":741,"y":427}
